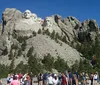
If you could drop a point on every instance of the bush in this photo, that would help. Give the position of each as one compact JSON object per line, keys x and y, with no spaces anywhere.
{"x":23,"y":46}
{"x":4,"y":70}
{"x":64,"y":39}
{"x":22,"y":38}
{"x":10,"y":55}
{"x":39,"y":31}
{"x":48,"y":62}
{"x":34,"y":64}
{"x":11,"y":67}
{"x":21,"y":67}
{"x":60,"y":65}
{"x":53,"y":35}
{"x":30,"y":51}
{"x":13,"y":46}
{"x":19,"y":52}
{"x":34,"y":33}
{"x":5,"y":52}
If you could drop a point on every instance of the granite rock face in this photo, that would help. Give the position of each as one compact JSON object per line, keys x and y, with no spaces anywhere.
{"x":16,"y":24}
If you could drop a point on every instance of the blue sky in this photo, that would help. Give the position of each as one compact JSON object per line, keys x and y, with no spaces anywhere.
{"x":81,"y":9}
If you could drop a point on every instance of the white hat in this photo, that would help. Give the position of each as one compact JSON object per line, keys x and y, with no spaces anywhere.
{"x":55,"y":74}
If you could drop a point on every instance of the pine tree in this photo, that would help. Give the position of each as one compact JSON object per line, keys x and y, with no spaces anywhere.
{"x":39,"y":31}
{"x":23,"y":46}
{"x":34,"y":64}
{"x":53,"y":35}
{"x":64,"y":39}
{"x":47,"y":32}
{"x":11,"y":67}
{"x":10,"y":55}
{"x":34,"y":33}
{"x":48,"y":62}
{"x":60,"y":65}
{"x":19,"y":52}
{"x":30,"y":51}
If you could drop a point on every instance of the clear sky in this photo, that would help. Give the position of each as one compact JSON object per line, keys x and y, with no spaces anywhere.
{"x":81,"y":9}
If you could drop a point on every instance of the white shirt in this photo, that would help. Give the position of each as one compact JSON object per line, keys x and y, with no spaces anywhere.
{"x":55,"y":81}
{"x":95,"y":76}
{"x":50,"y":80}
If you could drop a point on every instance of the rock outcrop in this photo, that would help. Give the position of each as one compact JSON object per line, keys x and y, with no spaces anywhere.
{"x":16,"y":24}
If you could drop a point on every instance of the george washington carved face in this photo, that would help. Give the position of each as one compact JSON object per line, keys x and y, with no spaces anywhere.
{"x":27,"y":14}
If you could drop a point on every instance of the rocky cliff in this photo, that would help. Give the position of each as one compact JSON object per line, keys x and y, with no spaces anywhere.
{"x":52,"y":35}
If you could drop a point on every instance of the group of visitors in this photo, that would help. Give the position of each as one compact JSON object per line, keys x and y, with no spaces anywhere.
{"x":68,"y":78}
{"x":65,"y":78}
{"x":19,"y":79}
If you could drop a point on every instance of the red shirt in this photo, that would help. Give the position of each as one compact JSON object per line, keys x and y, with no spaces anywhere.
{"x":64,"y":82}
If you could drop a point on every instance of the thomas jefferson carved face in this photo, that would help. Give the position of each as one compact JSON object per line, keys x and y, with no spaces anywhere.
{"x":27,"y":14}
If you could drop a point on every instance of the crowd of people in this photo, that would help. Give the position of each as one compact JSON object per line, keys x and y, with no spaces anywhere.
{"x":68,"y":78}
{"x":19,"y":79}
{"x":65,"y":78}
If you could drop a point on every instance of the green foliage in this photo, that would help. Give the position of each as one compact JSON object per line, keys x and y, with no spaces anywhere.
{"x":21,"y":67}
{"x":60,"y":65}
{"x":14,"y":46}
{"x":3,"y":71}
{"x":19,"y":52}
{"x":22,"y":38}
{"x":10,"y":55}
{"x":34,"y":33}
{"x":64,"y":39}
{"x":39,"y":31}
{"x":46,"y":32}
{"x":85,"y":65}
{"x":48,"y":62}
{"x":30,"y":51}
{"x":56,"y":36}
{"x":5,"y":52}
{"x":23,"y":46}
{"x":53,"y":35}
{"x":14,"y":35}
{"x":11,"y":67}
{"x":34,"y":65}
{"x":75,"y":66}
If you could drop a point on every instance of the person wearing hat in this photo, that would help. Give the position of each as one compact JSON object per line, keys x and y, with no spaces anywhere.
{"x":50,"y":80}
{"x":55,"y":80}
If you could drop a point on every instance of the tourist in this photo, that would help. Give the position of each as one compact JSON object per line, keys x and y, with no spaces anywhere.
{"x":8,"y":79}
{"x":70,"y":77}
{"x":27,"y":80}
{"x":14,"y":81}
{"x":40,"y":79}
{"x":64,"y":79}
{"x":91,"y":78}
{"x":55,"y":80}
{"x":50,"y":80}
{"x":31,"y":77}
{"x":45,"y":78}
{"x":95,"y":78}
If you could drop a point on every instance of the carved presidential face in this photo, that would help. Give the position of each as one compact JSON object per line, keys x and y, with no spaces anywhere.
{"x":48,"y":21}
{"x":27,"y":14}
